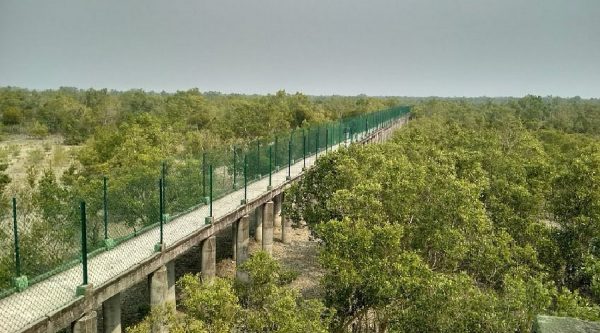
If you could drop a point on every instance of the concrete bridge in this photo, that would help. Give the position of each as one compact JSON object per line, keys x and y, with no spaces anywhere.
{"x":54,"y":304}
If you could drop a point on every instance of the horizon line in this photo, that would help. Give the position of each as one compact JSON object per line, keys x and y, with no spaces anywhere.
{"x":170,"y":91}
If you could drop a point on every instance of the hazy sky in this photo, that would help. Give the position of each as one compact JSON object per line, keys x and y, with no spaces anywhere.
{"x":376,"y":47}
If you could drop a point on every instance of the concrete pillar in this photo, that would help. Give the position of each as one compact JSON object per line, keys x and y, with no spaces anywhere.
{"x":277,"y":201}
{"x":234,"y":240}
{"x":86,"y":324}
{"x":267,"y":228}
{"x":243,"y":233}
{"x":209,"y":258}
{"x":171,"y":282}
{"x":251,"y":221}
{"x":111,"y":314}
{"x":259,"y":222}
{"x":286,"y":229}
{"x":158,"y":287}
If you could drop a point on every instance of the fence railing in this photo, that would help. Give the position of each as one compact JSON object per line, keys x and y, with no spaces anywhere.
{"x":127,"y":204}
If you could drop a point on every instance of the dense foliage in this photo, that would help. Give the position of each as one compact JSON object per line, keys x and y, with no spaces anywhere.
{"x":264,"y":303}
{"x":475,"y":217}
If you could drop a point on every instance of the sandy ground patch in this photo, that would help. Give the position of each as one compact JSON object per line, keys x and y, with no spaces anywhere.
{"x":299,"y":255}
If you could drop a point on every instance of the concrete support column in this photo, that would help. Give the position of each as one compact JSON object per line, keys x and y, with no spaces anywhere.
{"x":251,"y":220}
{"x":171,"y":298}
{"x":209,"y":258}
{"x":158,"y":287}
{"x":267,"y":228}
{"x":286,"y":229}
{"x":234,"y":240}
{"x":242,"y":239}
{"x":277,"y":201}
{"x":111,"y":314}
{"x":259,"y":223}
{"x":86,"y":324}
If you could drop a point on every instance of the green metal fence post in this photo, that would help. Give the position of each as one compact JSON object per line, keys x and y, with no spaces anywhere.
{"x":234,"y":173}
{"x":270,"y":168}
{"x":326,"y":139}
{"x":292,"y":146}
{"x":16,"y":234}
{"x":164,"y":173}
{"x":289,"y":175}
{"x":161,"y":193}
{"x":109,"y":243}
{"x":161,"y":202}
{"x":333,"y":137}
{"x":105,"y":203}
{"x":317,"y":143}
{"x":332,"y":132}
{"x":303,"y":150}
{"x":164,"y":190}
{"x":209,"y":219}
{"x":210,"y":180}
{"x":275,"y":159}
{"x":84,"y":243}
{"x":245,"y":200}
{"x":204,"y":196}
{"x":258,"y":158}
{"x":20,"y":281}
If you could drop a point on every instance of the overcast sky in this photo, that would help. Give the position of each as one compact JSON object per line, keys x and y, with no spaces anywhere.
{"x":320,"y":47}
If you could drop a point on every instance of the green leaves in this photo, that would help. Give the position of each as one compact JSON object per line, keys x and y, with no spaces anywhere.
{"x":263,"y":304}
{"x":576,"y":207}
{"x":213,"y":304}
{"x":467,"y":221}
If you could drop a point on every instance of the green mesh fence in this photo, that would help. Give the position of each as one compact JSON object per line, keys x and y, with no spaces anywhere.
{"x":183,"y":185}
{"x":132,"y":203}
{"x":127,"y":205}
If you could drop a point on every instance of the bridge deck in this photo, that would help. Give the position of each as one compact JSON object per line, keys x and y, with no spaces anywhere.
{"x":21,"y":310}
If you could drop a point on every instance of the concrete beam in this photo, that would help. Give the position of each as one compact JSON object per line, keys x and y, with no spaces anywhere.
{"x":209,"y":258}
{"x":86,"y":324}
{"x":267,"y":227}
{"x":242,"y":240}
{"x":111,"y":313}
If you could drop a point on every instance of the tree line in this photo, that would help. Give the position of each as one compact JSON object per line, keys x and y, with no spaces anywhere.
{"x":78,"y":114}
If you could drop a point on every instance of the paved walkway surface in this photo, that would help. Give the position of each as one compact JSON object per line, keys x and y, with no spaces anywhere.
{"x":20,"y":310}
